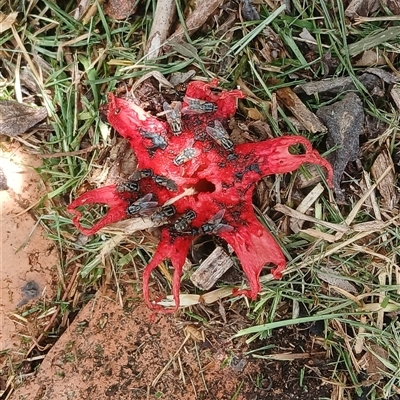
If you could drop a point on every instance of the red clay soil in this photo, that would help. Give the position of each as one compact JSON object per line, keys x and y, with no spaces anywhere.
{"x":114,"y":352}
{"x":28,"y":258}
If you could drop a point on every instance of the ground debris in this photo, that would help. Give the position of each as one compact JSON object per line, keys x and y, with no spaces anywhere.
{"x":211,"y":269}
{"x":299,"y":110}
{"x":339,"y":85}
{"x":203,"y":11}
{"x":387,"y":185}
{"x":249,"y":12}
{"x":344,"y":120}
{"x":394,"y":6}
{"x":361,"y":7}
{"x":3,"y":180}
{"x":17,"y":118}
{"x":120,"y":9}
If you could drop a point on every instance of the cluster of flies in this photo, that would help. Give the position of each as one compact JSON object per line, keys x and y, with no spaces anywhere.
{"x":146,"y":206}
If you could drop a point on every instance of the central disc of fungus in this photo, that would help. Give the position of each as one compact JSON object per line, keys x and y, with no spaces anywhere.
{"x":192,"y":149}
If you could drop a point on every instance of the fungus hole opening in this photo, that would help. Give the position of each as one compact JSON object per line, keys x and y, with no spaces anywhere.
{"x":203,"y":185}
{"x":297,"y":149}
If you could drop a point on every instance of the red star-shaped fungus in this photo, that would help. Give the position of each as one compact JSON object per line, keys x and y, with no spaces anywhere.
{"x":193,"y":150}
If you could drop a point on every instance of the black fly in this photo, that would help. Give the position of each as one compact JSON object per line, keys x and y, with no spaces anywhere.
{"x":142,"y":207}
{"x":214,"y":226}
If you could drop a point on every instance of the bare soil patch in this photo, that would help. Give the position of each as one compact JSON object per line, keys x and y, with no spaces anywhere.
{"x":114,"y":352}
{"x":28,"y":258}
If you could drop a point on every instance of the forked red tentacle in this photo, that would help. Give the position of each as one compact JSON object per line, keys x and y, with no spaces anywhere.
{"x":106,"y":195}
{"x":176,"y":252}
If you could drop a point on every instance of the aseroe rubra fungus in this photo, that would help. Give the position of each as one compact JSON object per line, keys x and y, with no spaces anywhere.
{"x":197,"y":153}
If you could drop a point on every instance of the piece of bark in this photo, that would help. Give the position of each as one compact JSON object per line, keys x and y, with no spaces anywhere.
{"x":292,"y":102}
{"x":249,"y":13}
{"x":395,"y":93}
{"x":387,"y":186}
{"x":394,"y":6}
{"x":386,"y":76}
{"x":211,"y":269}
{"x":344,"y":120}
{"x":16,"y":118}
{"x":204,"y":9}
{"x":162,"y":22}
{"x":338,"y":85}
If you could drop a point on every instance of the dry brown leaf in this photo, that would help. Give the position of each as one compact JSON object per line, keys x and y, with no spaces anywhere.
{"x":16,"y":118}
{"x":7,"y":21}
{"x":330,"y":276}
{"x":292,"y":102}
{"x":120,"y":9}
{"x":204,"y":9}
{"x":395,"y":93}
{"x":361,"y":7}
{"x":370,"y":58}
{"x":253,"y":114}
{"x":345,"y":120}
{"x":387,"y":186}
{"x":394,"y":6}
{"x":372,"y":364}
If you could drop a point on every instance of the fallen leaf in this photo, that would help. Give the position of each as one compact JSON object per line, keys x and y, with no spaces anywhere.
{"x":17,"y":118}
{"x":344,"y":120}
{"x":293,"y":103}
{"x":330,"y":276}
{"x":394,"y":6}
{"x":387,"y":185}
{"x":120,"y":9}
{"x":372,"y":362}
{"x":370,"y":58}
{"x":7,"y":21}
{"x":395,"y":93}
{"x":249,"y":13}
{"x":253,"y":113}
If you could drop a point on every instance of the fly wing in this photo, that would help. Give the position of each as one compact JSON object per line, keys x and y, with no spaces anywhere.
{"x":217,"y":218}
{"x":189,"y":108}
{"x":166,"y":107}
{"x":178,"y":107}
{"x":145,"y":199}
{"x":222,"y":228}
{"x":220,"y":128}
{"x":214,"y":133}
{"x":148,"y":207}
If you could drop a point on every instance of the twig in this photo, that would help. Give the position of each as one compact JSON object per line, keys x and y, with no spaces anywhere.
{"x":295,"y":214}
{"x":163,"y":19}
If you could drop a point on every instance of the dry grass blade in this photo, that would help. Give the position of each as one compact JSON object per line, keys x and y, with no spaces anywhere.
{"x":295,"y":214}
